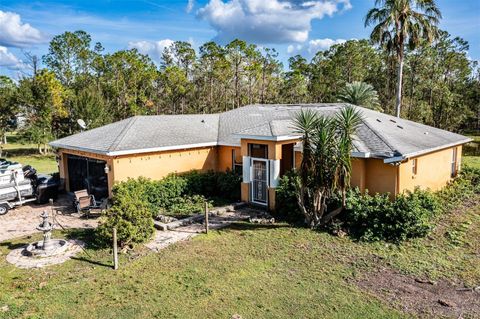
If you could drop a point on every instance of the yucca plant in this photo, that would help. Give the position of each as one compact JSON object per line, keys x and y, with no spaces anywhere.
{"x":399,"y":23}
{"x":326,"y":163}
{"x":360,"y":93}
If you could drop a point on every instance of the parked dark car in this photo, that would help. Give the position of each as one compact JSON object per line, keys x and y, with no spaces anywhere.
{"x":47,"y":188}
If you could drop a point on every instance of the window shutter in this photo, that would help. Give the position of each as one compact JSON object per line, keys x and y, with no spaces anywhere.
{"x":274,"y":172}
{"x":246,"y":169}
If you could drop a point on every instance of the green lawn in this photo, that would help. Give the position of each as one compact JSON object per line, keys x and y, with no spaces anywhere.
{"x":251,"y":270}
{"x":27,"y":154}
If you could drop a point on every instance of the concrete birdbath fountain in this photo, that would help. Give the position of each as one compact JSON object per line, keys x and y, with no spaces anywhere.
{"x":48,"y":246}
{"x":45,"y":252}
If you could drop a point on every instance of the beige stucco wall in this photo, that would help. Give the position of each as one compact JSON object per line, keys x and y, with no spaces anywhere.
{"x":433,"y":170}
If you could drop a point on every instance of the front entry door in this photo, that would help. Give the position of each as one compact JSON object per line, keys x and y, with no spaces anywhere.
{"x":259,"y":181}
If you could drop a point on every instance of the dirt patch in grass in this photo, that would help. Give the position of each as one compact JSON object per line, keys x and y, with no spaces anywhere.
{"x":422,"y":297}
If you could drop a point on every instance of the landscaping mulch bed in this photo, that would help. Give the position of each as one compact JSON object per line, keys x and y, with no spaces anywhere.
{"x":422,"y":297}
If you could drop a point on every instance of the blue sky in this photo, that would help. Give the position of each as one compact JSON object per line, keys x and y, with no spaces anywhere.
{"x":291,"y":26}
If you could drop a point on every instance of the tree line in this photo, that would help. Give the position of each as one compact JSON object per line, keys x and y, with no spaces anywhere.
{"x":76,"y":79}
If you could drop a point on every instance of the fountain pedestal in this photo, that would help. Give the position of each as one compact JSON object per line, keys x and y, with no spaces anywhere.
{"x":48,"y":247}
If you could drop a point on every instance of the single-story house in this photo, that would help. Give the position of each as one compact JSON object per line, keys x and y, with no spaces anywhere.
{"x":390,"y":154}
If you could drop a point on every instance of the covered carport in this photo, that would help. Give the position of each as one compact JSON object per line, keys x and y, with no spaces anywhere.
{"x":87,"y":173}
{"x":85,"y":170}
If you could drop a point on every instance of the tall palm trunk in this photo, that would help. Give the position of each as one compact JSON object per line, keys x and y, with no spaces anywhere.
{"x":398,"y":103}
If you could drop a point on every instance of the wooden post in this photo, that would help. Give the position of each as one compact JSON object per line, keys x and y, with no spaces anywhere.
{"x":115,"y":250}
{"x":206,"y":217}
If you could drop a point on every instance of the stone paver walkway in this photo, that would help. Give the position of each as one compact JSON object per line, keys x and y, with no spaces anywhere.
{"x":166,"y":238}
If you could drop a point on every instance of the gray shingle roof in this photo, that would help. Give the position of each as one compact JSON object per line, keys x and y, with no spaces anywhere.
{"x":145,"y":134}
{"x":380,"y":135}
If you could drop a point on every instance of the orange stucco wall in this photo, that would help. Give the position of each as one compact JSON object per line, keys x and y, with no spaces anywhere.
{"x":160,"y":164}
{"x":371,"y":174}
{"x":433,"y":170}
{"x":156,"y":165}
{"x":380,"y":177}
{"x":225,"y":157}
{"x":358,"y":173}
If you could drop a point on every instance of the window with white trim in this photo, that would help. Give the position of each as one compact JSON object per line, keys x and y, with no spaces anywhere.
{"x":237,"y":165}
{"x":453,"y":167}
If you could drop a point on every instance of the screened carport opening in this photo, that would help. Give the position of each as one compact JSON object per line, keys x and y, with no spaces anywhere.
{"x":87,"y":173}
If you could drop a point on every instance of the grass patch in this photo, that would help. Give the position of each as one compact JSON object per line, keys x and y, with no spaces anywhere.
{"x":471,"y":152}
{"x":256,"y":271}
{"x":27,"y":154}
{"x":473,"y":161}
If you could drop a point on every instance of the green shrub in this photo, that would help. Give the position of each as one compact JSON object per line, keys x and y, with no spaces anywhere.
{"x":187,"y":205}
{"x":181,"y":194}
{"x":376,"y":217}
{"x":131,"y":215}
{"x":211,"y":184}
{"x":229,"y":185}
{"x":286,"y":198}
{"x":464,"y":186}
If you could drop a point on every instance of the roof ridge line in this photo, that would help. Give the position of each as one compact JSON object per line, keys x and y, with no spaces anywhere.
{"x":123,"y":133}
{"x":379,"y":136}
{"x":255,"y":126}
{"x":218,"y":126}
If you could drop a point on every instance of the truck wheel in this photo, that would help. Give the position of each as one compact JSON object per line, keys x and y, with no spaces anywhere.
{"x":3,"y":209}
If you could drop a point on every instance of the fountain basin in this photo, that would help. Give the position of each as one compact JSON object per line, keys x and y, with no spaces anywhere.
{"x":53,"y":248}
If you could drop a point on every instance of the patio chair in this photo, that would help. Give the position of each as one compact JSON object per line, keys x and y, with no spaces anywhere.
{"x":83,"y":201}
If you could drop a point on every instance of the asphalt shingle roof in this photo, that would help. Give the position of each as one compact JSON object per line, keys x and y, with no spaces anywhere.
{"x":380,"y":135}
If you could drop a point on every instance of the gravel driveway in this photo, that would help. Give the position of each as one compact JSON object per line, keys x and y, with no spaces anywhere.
{"x":22,"y":221}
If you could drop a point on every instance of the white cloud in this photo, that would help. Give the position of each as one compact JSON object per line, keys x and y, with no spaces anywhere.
{"x":14,"y":33}
{"x":312,"y":47}
{"x":267,"y":21}
{"x":190,"y":5}
{"x":152,"y":48}
{"x":9,"y":60}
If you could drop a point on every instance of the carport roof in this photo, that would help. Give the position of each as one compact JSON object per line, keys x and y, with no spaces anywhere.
{"x":380,"y":135}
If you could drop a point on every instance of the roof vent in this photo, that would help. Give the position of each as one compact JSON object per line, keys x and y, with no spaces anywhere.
{"x":203,"y":121}
{"x":393,"y":121}
{"x":400,"y":127}
{"x":379,"y":120}
{"x":426,"y":133}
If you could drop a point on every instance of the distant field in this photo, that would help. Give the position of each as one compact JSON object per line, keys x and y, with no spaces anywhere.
{"x":27,"y":154}
{"x":471,"y":152}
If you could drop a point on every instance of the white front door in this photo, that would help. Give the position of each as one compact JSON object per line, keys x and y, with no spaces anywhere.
{"x":259,"y":186}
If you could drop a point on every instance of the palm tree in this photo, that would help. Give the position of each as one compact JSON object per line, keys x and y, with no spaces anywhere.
{"x":360,"y":93}
{"x":326,"y":163}
{"x":401,"y":22}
